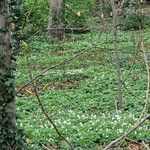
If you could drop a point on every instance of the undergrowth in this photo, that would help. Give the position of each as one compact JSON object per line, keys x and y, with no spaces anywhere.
{"x":80,"y":96}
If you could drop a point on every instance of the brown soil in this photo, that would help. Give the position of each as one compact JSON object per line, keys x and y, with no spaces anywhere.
{"x":54,"y":85}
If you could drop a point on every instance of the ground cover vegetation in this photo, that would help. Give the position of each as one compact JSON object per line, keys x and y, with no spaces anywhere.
{"x":79,"y":91}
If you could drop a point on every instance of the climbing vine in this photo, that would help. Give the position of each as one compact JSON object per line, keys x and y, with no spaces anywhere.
{"x":12,"y":136}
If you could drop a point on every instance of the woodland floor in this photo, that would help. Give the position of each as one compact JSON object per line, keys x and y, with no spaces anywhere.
{"x":80,"y":95}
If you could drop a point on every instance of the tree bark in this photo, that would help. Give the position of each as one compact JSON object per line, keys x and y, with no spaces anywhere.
{"x":7,"y":96}
{"x":56,"y":19}
{"x":117,"y":55}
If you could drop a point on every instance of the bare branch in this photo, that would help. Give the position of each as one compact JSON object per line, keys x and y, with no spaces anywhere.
{"x":52,"y":67}
{"x":118,"y":140}
{"x":42,"y":107}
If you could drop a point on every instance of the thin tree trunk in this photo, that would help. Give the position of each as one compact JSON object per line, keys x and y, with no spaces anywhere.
{"x":56,"y":19}
{"x":117,"y":55}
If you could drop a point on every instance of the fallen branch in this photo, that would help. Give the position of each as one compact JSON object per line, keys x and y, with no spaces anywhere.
{"x":71,"y":30}
{"x":49,"y":118}
{"x":46,"y":70}
{"x":42,"y":107}
{"x":118,"y":140}
{"x":55,"y":66}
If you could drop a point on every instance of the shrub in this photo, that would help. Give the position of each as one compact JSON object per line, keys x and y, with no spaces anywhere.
{"x":135,"y":21}
{"x":38,"y":12}
{"x":77,"y":13}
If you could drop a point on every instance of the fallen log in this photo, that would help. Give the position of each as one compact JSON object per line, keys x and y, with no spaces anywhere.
{"x":71,"y":30}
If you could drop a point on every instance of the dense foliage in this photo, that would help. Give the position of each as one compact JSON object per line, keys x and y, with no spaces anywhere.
{"x":77,"y":13}
{"x":34,"y":15}
{"x":80,"y":95}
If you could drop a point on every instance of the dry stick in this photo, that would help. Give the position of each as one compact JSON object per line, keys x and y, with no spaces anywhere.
{"x":138,"y":124}
{"x":148,"y":72}
{"x":42,"y":107}
{"x":52,"y":67}
{"x":45,"y":147}
{"x":146,"y":63}
{"x":47,"y":116}
{"x":146,"y":146}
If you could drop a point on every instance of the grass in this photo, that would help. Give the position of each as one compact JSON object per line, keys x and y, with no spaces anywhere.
{"x":81,"y":96}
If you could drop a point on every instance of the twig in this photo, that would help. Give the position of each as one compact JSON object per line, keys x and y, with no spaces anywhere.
{"x":16,"y":50}
{"x":52,"y":67}
{"x":42,"y":107}
{"x":148,"y":79}
{"x":145,"y":145}
{"x":127,"y":133}
{"x":55,"y":66}
{"x":46,"y":147}
{"x":48,"y":117}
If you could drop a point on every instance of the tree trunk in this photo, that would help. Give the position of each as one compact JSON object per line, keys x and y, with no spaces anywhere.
{"x":7,"y":98}
{"x":117,"y":55}
{"x":56,"y":19}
